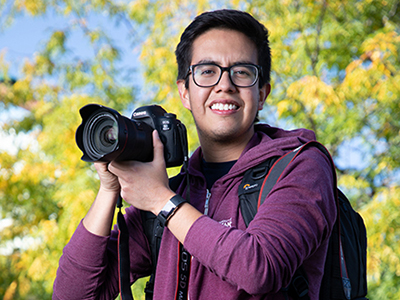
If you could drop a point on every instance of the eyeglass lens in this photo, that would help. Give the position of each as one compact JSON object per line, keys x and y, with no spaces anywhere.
{"x":207,"y":75}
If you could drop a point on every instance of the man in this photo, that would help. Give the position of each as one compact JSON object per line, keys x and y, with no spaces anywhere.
{"x":224,"y":67}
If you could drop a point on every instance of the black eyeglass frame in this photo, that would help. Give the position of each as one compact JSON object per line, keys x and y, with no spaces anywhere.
{"x":223,"y":69}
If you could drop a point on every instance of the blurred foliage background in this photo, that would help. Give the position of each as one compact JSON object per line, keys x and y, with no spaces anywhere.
{"x":335,"y":70}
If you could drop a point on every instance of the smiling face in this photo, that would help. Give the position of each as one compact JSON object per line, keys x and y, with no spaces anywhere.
{"x":224,"y":113}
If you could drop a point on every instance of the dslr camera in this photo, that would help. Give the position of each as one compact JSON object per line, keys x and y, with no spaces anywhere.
{"x":105,"y":135}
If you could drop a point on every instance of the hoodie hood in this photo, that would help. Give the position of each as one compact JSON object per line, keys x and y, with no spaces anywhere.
{"x":272,"y":141}
{"x":266,"y":142}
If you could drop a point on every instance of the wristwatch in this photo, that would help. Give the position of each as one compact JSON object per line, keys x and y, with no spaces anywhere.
{"x":170,"y":208}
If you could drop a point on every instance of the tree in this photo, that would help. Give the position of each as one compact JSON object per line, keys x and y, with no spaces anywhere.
{"x":340,"y":78}
{"x":335,"y":70}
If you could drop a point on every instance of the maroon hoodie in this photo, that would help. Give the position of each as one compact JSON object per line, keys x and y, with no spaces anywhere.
{"x":229,"y":261}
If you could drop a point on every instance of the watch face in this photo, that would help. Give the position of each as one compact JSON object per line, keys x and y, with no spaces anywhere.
{"x":170,"y":208}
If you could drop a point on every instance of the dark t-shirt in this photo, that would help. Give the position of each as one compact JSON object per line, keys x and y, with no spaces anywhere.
{"x":214,"y":171}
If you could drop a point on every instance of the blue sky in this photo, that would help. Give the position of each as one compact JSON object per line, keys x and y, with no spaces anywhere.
{"x":27,"y":35}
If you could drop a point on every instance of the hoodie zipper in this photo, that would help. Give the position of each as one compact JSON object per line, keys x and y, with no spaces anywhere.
{"x":208,"y":196}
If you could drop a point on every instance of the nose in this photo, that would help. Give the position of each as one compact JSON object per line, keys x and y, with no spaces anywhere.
{"x":225,"y":83}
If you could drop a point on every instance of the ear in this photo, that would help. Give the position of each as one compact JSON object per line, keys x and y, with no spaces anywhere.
{"x":263,"y":93}
{"x":183,"y":93}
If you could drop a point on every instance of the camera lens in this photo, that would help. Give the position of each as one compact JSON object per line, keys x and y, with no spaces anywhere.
{"x":108,"y":134}
{"x":105,"y":135}
{"x":111,"y":134}
{"x":100,"y":134}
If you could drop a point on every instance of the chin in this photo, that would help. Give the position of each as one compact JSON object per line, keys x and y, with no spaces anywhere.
{"x":225,"y":135}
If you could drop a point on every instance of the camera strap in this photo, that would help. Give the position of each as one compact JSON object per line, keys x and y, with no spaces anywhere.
{"x":185,"y":258}
{"x":124,"y":265}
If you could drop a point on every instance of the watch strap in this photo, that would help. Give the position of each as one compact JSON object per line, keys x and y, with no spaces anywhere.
{"x":169,"y":209}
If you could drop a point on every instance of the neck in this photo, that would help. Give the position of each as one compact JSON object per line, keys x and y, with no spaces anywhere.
{"x":214,"y":151}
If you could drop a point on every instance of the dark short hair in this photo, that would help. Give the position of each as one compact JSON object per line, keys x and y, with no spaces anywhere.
{"x":225,"y":19}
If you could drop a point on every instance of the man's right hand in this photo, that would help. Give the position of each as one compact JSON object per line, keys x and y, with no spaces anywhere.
{"x":108,"y":181}
{"x":100,"y":215}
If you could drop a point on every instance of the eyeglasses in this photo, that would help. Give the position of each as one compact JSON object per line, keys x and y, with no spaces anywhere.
{"x":209,"y":74}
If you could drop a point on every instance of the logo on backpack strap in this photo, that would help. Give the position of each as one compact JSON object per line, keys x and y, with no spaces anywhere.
{"x":248,"y":186}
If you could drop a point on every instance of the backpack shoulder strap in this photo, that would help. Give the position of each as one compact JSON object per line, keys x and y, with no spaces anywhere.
{"x":149,"y":219}
{"x":250,"y":188}
{"x":154,"y":231}
{"x":258,"y":181}
{"x":274,"y":175}
{"x":277,"y":169}
{"x":298,"y":287}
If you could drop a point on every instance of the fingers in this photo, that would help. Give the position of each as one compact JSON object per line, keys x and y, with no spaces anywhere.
{"x":143,"y":184}
{"x":102,"y":169}
{"x":101,"y":166}
{"x":107,"y":179}
{"x":158,"y":148}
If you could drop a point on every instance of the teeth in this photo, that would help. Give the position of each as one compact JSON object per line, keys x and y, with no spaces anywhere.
{"x":220,"y":106}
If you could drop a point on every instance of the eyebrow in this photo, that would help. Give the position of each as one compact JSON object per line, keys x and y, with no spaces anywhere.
{"x":210,"y":61}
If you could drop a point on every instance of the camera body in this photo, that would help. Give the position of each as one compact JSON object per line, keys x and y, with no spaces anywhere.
{"x":105,"y":135}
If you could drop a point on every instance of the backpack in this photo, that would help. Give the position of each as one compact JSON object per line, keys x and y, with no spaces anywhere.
{"x":345,"y":266}
{"x":345,"y":271}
